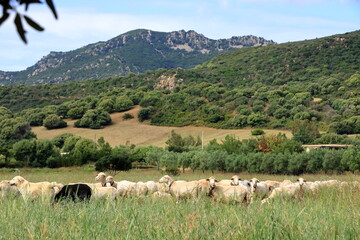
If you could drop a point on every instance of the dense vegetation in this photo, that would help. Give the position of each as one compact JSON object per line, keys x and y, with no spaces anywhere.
{"x":266,"y":154}
{"x":304,"y":86}
{"x":316,"y":80}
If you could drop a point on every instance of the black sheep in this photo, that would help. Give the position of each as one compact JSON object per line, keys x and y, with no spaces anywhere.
{"x":74,"y":192}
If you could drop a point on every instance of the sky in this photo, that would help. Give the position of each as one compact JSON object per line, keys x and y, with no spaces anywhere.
{"x":82,"y":22}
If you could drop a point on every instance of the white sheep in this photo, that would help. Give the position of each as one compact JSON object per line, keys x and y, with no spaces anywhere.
{"x":223,"y":193}
{"x":292,"y":190}
{"x":259,"y":189}
{"x":180,"y":189}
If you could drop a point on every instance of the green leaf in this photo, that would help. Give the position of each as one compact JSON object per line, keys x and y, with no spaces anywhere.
{"x":33,"y":24}
{"x":52,"y":7}
{"x":20,"y":28}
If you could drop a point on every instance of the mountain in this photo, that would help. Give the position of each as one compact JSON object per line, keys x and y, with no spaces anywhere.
{"x":136,"y":51}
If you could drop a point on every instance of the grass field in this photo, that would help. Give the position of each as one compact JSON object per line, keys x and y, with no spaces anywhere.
{"x":141,"y":134}
{"x":332,"y":214}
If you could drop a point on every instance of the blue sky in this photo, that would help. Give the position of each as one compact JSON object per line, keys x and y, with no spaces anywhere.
{"x":83,"y":22}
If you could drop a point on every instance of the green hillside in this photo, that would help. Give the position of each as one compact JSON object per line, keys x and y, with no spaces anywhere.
{"x":315,"y":80}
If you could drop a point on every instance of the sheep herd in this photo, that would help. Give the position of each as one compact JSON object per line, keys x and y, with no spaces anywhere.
{"x":227,"y":190}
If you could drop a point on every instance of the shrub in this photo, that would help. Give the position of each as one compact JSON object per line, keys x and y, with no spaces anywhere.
{"x":174,"y":171}
{"x":145,"y":113}
{"x":54,"y":121}
{"x":128,"y":116}
{"x":94,"y":118}
{"x":257,"y":132}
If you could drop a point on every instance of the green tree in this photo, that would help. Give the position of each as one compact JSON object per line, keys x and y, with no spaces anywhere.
{"x":59,"y":140}
{"x":118,"y":160}
{"x":53,"y":121}
{"x":84,"y":151}
{"x":24,"y":151}
{"x":5,"y":113}
{"x":351,"y":159}
{"x":257,"y":119}
{"x":305,"y":131}
{"x":94,"y":118}
{"x":123,"y":103}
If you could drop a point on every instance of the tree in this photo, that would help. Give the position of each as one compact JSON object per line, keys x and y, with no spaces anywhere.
{"x":123,"y":103}
{"x":94,"y":118}
{"x":24,"y":151}
{"x":9,"y":6}
{"x":107,"y":105}
{"x":59,"y":140}
{"x":153,"y":157}
{"x":84,"y":151}
{"x":53,"y":121}
{"x":257,"y":119}
{"x":145,"y":113}
{"x":351,"y":159}
{"x":5,"y":113}
{"x":305,"y":131}
{"x":118,"y":160}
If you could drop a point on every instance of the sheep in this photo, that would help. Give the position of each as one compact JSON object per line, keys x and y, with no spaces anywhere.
{"x":6,"y":190}
{"x":223,"y":193}
{"x":141,"y":189}
{"x":236,"y":181}
{"x":124,"y":188}
{"x":285,"y":182}
{"x":259,"y":189}
{"x":73,"y":192}
{"x":225,"y":182}
{"x":292,"y":190}
{"x":105,"y":193}
{"x":180,"y":189}
{"x":161,"y":195}
{"x":273,"y":184}
{"x":101,"y":177}
{"x":152,"y":187}
{"x":33,"y":190}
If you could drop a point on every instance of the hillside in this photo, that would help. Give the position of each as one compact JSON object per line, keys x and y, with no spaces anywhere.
{"x":137,"y":51}
{"x":269,"y":87}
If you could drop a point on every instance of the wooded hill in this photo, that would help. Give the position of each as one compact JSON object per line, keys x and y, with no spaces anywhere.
{"x":316,"y":80}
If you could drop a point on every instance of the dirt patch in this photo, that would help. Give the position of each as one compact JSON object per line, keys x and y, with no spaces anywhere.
{"x":134,"y":132}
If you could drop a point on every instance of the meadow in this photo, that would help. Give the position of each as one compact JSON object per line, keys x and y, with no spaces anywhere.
{"x":142,"y":133}
{"x":331,"y":214}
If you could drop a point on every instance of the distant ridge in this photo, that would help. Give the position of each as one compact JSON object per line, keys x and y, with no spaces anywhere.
{"x":136,"y":51}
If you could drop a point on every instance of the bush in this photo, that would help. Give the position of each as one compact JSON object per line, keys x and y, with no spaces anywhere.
{"x":118,"y":160}
{"x":145,"y":113}
{"x":174,"y":171}
{"x":94,"y":118}
{"x":53,"y":121}
{"x":257,"y":132}
{"x":128,"y":116}
{"x":123,"y":103}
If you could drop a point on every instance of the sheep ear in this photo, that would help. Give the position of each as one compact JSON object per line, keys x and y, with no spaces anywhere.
{"x":232,"y":178}
{"x":207,"y":179}
{"x":297,"y":180}
{"x":250,"y":180}
{"x":216,"y":180}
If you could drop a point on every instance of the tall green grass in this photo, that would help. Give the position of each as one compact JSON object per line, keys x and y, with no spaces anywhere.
{"x":331,"y":214}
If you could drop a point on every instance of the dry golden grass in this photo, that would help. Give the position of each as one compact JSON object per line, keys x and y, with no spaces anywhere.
{"x":134,"y":132}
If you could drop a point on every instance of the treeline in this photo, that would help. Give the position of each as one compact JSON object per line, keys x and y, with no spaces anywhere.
{"x":271,"y":154}
{"x":213,"y":105}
